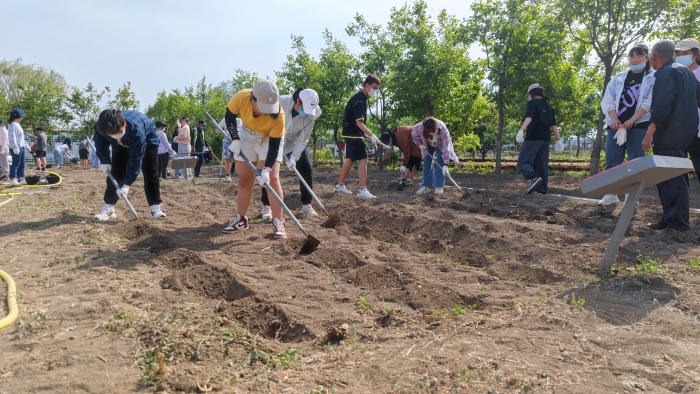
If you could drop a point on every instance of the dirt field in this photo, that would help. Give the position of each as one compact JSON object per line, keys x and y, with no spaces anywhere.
{"x":493,"y":292}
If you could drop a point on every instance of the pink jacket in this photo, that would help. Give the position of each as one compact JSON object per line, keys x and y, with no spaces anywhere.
{"x":444,"y":142}
{"x":4,"y":141}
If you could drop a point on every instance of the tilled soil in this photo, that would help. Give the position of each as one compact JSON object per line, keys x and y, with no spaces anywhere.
{"x":487,"y":291}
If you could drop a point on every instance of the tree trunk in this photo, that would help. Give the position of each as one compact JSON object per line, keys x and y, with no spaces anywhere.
{"x":578,"y":146}
{"x":501,"y":123}
{"x":380,"y":157}
{"x":337,"y":144}
{"x":598,"y":143}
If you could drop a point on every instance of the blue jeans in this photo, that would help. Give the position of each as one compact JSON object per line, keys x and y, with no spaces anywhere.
{"x":17,"y":167}
{"x":615,"y":154}
{"x":94,"y":161}
{"x":533,"y":161}
{"x":57,"y":157}
{"x":432,"y":175}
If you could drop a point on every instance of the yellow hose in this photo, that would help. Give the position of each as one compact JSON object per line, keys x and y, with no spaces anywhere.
{"x":8,"y":200}
{"x":11,"y":301}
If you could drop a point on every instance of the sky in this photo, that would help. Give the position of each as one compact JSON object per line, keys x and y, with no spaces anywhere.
{"x":163,"y":45}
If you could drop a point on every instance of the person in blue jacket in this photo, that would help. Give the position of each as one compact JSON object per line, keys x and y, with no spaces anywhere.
{"x":132,"y":136}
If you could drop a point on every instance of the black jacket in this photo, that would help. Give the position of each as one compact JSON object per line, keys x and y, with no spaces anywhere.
{"x":674,"y":103}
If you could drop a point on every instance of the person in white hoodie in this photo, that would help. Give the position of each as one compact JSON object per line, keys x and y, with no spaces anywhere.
{"x":627,"y":106}
{"x":302,"y":110}
{"x":5,"y":158}
{"x":18,"y":147}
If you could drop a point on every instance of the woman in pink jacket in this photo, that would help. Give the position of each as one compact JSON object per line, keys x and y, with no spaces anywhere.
{"x":433,"y":139}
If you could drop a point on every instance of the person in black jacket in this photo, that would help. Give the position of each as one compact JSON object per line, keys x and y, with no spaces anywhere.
{"x":200,"y":146}
{"x":672,"y":127}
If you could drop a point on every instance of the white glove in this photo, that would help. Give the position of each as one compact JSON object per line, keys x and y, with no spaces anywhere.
{"x":402,"y":169}
{"x":106,"y":168}
{"x":15,"y":151}
{"x":374,"y":139}
{"x":519,"y":137}
{"x":123,"y":191}
{"x":292,"y":162}
{"x":621,"y":136}
{"x":445,"y":171}
{"x":235,"y":147}
{"x":264,"y":177}
{"x":558,"y":146}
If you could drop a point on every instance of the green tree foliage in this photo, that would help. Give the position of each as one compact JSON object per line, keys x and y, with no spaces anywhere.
{"x":241,"y":80}
{"x":124,"y":98}
{"x":681,"y":20}
{"x":84,"y":105}
{"x":608,"y":28}
{"x":39,"y":92}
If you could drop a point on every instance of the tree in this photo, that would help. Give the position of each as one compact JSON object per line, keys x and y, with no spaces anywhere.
{"x":124,"y":99}
{"x":84,"y":106}
{"x":338,"y":70}
{"x":609,"y":27}
{"x":522,"y":40}
{"x":680,"y":21}
{"x":241,"y":80}
{"x":39,"y":92}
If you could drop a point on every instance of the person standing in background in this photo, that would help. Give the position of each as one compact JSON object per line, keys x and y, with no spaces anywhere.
{"x":200,"y":147}
{"x":84,"y":153}
{"x":5,"y":157}
{"x":688,"y":54}
{"x":434,"y":141}
{"x":672,"y":127}
{"x":164,"y":149}
{"x":18,"y":147}
{"x":184,"y":142}
{"x":41,"y":141}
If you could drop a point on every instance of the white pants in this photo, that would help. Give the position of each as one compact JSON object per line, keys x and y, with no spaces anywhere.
{"x":5,"y":161}
{"x":255,"y":145}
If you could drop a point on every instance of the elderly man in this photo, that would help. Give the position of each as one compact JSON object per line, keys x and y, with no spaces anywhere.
{"x":672,"y":127}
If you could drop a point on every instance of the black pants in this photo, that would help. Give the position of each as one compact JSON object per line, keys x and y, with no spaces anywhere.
{"x":163,"y":159}
{"x":149,"y":168}
{"x":674,"y":194}
{"x":198,"y":166}
{"x":304,"y":167}
{"x":694,"y":152}
{"x":533,"y":161}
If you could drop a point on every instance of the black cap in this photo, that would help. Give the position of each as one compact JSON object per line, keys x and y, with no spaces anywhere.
{"x":200,"y":122}
{"x":160,"y":124}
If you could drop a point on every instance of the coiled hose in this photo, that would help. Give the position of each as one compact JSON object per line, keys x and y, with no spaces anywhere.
{"x":11,"y":300}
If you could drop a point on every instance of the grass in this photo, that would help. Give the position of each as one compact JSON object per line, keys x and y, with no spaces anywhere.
{"x":648,"y":264}
{"x":579,"y":303}
{"x":365,"y":304}
{"x":694,"y":263}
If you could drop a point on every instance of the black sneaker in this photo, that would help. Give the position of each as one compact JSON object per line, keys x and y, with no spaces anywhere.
{"x":38,"y":169}
{"x":43,"y":168}
{"x":3,"y":178}
{"x":534,"y":183}
{"x":657,"y":226}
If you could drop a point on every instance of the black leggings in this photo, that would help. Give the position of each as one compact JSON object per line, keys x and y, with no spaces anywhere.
{"x":149,"y":169}
{"x":163,"y":159}
{"x":304,"y":167}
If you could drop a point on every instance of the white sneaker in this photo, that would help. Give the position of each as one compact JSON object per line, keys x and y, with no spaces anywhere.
{"x":266,"y":212}
{"x":625,"y":202}
{"x":22,"y":181}
{"x":14,"y":182}
{"x":227,"y":179}
{"x":278,"y":229}
{"x":423,"y":190}
{"x":609,"y":199}
{"x":438,"y":190}
{"x":364,"y":193}
{"x":340,"y":188}
{"x":106,"y":213}
{"x":409,"y":182}
{"x":156,"y":212}
{"x":307,"y":209}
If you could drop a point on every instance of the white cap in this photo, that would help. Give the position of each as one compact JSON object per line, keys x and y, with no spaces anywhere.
{"x":309,"y":101}
{"x":267,"y":96}
{"x":687,"y":44}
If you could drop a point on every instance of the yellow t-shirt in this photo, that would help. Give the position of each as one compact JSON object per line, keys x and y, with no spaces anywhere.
{"x":241,"y":104}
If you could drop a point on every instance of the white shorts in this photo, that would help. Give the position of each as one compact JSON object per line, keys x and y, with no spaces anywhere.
{"x":255,"y":145}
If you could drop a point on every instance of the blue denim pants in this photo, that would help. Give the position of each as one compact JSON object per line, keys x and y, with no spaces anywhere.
{"x":615,"y":154}
{"x":432,"y":175}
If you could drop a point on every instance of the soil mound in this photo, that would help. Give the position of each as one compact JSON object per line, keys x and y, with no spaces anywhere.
{"x":267,"y":319}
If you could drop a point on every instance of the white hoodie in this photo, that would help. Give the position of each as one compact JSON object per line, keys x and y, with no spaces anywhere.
{"x":4,"y":141}
{"x":297,"y":129}
{"x":611,"y":99}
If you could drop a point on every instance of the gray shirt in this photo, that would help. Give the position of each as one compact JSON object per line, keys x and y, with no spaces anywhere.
{"x":41,"y":141}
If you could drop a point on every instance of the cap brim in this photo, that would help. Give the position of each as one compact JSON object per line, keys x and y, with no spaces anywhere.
{"x":269,"y":108}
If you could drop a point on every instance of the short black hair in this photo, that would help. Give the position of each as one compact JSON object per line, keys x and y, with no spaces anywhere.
{"x":295,"y":95}
{"x":160,"y":124}
{"x":109,"y":122}
{"x":39,"y":129}
{"x":200,"y":122}
{"x":370,"y":79}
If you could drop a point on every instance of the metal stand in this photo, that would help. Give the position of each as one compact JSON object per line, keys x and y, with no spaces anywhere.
{"x":184,"y":162}
{"x":622,"y":223}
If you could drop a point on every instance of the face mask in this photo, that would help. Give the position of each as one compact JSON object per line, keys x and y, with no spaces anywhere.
{"x":372,"y":92}
{"x":301,"y":112}
{"x":685,"y":60}
{"x":638,"y":67}
{"x":118,"y":136}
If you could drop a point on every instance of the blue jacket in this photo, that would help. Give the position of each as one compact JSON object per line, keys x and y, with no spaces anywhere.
{"x":674,"y":106}
{"x":140,"y":133}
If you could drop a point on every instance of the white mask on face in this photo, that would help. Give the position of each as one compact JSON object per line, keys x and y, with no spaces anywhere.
{"x":118,"y":136}
{"x":372,"y":92}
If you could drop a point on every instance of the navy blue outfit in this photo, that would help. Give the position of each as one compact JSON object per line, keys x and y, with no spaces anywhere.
{"x":533,"y":160}
{"x":138,"y":151}
{"x":676,"y":96}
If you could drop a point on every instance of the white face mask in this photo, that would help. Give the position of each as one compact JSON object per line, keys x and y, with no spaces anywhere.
{"x":372,"y":92}
{"x":118,"y":136}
